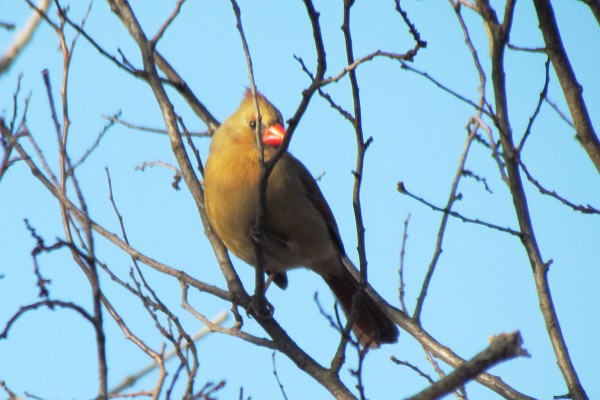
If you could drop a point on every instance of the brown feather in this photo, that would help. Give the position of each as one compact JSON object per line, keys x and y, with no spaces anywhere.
{"x":372,"y":325}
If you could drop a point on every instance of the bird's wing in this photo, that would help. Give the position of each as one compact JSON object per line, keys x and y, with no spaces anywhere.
{"x":318,"y":200}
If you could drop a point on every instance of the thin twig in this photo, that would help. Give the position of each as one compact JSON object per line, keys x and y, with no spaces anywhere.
{"x":11,"y":394}
{"x":9,"y":26}
{"x":358,"y":372}
{"x":412,"y":367}
{"x":156,"y":356}
{"x":190,"y":143}
{"x":474,"y":54}
{"x":402,"y":189}
{"x":51,"y":304}
{"x":478,"y":122}
{"x":587,"y":209}
{"x":167,"y":23}
{"x":526,"y":49}
{"x":452,"y":198}
{"x":235,"y":331}
{"x":115,"y":118}
{"x":131,"y":380}
{"x":335,"y":323}
{"x":151,"y":164}
{"x":361,"y":148}
{"x":86,"y":261}
{"x":560,"y":113}
{"x":402,"y":285}
{"x":446,"y":89}
{"x":153,"y":304}
{"x":538,"y":107}
{"x":460,"y":392}
{"x":273,"y":354}
{"x":263,"y":180}
{"x":94,"y":146}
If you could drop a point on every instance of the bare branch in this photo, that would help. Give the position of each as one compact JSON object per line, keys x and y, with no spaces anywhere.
{"x":116,"y":119}
{"x":358,"y":372}
{"x":361,"y":149}
{"x":444,"y":353}
{"x":587,"y":209}
{"x":594,"y":6}
{"x":527,"y":49}
{"x":498,"y":39}
{"x":131,"y":380}
{"x":482,"y":77}
{"x":23,"y":36}
{"x":412,"y":367}
{"x":277,"y":377}
{"x":157,"y":356}
{"x":7,"y":140}
{"x":124,"y":12}
{"x":51,"y":304}
{"x":538,"y":107}
{"x":560,"y":113}
{"x":182,"y":87}
{"x":402,"y":285}
{"x":402,"y":189}
{"x":11,"y":394}
{"x":502,"y":347}
{"x":235,"y":331}
{"x":446,"y":89}
{"x":460,"y":392}
{"x":491,"y":144}
{"x":8,"y":26}
{"x":167,"y":23}
{"x":94,"y":146}
{"x":452,"y":197}
{"x":586,"y":135}
{"x":258,"y":233}
{"x":152,"y":164}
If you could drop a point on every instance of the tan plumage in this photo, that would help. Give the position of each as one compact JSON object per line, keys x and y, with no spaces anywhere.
{"x":300,"y":228}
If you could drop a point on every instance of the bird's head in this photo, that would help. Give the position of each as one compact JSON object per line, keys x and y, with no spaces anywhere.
{"x":271,"y":121}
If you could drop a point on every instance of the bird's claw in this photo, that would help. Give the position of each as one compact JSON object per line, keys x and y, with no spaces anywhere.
{"x":256,"y":236}
{"x":260,"y":308}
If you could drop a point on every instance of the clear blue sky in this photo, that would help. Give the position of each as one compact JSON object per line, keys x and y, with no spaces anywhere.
{"x":483,"y":284}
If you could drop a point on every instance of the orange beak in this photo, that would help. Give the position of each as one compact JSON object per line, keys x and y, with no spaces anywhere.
{"x":273,"y":135}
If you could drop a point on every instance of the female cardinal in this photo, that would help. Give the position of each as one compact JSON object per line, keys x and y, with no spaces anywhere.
{"x":300,"y":230}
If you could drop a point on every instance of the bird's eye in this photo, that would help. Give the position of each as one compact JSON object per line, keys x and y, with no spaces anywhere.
{"x":252,"y":124}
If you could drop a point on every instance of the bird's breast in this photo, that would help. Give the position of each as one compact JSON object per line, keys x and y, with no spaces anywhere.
{"x":295,"y":233}
{"x":230,"y":195}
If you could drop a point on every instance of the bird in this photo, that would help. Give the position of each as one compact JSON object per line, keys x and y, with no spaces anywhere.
{"x":299,"y":229}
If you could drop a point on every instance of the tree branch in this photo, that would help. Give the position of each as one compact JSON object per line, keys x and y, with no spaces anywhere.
{"x":498,"y":40}
{"x":503,"y":347}
{"x":23,"y":37}
{"x":586,"y":135}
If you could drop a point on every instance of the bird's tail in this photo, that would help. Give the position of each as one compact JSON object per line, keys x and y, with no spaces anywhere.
{"x":372,"y":326}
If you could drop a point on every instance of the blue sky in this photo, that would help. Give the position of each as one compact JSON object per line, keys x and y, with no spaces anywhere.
{"x":483,"y":284}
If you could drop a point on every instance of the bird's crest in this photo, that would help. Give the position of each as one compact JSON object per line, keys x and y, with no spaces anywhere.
{"x":248,"y":95}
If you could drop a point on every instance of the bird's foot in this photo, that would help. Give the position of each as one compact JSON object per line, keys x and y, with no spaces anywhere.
{"x":260,"y":308}
{"x":239,"y":321}
{"x":257,"y":237}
